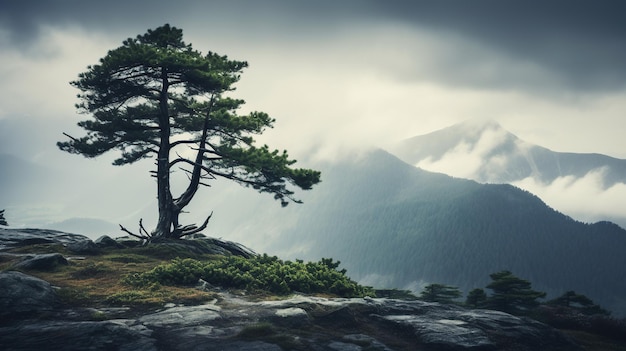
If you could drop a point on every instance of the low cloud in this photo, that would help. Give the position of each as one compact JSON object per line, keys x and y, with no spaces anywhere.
{"x":472,"y":159}
{"x":584,"y":198}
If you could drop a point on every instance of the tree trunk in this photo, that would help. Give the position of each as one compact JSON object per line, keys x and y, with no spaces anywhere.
{"x":164,"y":194}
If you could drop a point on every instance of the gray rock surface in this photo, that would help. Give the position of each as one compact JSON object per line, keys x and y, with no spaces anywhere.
{"x":73,"y":335}
{"x":31,"y":319}
{"x":21,"y":294}
{"x":10,"y":238}
{"x":234,"y":323}
{"x":80,"y":244}
{"x":43,"y":262}
{"x":106,"y":241}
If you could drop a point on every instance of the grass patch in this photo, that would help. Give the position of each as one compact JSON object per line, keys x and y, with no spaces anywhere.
{"x":92,"y":270}
{"x":97,"y":280}
{"x":147,"y":276}
{"x":127,"y":258}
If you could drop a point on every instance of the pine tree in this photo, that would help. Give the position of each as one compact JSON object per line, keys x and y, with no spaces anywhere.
{"x":476,"y":298}
{"x":440,"y":293}
{"x":581,"y":303}
{"x":155,"y":97}
{"x":512,"y":294}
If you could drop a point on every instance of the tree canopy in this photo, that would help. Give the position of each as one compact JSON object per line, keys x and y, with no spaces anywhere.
{"x":476,"y":298}
{"x":157,"y":97}
{"x":512,"y":294}
{"x":440,"y":293}
{"x":579,"y":302}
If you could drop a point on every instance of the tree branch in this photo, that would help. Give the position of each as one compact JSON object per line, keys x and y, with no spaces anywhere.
{"x":142,"y":229}
{"x":69,"y":136}
{"x":197,"y":230}
{"x":178,"y":142}
{"x":182,"y":159}
{"x":132,"y":234}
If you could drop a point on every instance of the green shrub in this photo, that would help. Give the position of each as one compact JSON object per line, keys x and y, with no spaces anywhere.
{"x":260,"y":273}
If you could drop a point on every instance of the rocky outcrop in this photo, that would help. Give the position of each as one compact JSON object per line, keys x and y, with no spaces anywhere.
{"x":235,"y":323}
{"x":72,"y":335}
{"x":32,"y":319}
{"x":22,"y":294}
{"x":10,"y":238}
{"x":80,"y":244}
{"x":43,"y":262}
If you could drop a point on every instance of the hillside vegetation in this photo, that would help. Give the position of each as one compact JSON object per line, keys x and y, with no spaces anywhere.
{"x":161,"y":273}
{"x":147,"y":278}
{"x":393,"y":225}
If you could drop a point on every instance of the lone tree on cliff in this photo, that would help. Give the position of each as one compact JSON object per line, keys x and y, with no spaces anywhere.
{"x":155,"y":97}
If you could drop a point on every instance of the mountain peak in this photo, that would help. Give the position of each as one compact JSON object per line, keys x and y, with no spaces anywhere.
{"x":467,"y":130}
{"x":484,"y":151}
{"x":479,"y":124}
{"x":472,"y":140}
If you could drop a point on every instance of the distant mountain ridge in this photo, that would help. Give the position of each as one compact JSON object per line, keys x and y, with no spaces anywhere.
{"x":503,"y":157}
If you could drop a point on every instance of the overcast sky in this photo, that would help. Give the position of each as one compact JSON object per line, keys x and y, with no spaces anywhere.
{"x":339,"y":75}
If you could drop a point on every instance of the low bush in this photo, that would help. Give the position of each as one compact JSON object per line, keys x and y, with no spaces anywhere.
{"x":259,"y":273}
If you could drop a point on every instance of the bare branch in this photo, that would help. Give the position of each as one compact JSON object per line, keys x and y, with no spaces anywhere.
{"x":71,"y":137}
{"x":199,"y":229}
{"x":187,"y":173}
{"x":131,"y":233}
{"x":142,"y":229}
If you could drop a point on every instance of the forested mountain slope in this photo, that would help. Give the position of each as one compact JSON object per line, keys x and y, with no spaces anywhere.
{"x":394,"y":225}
